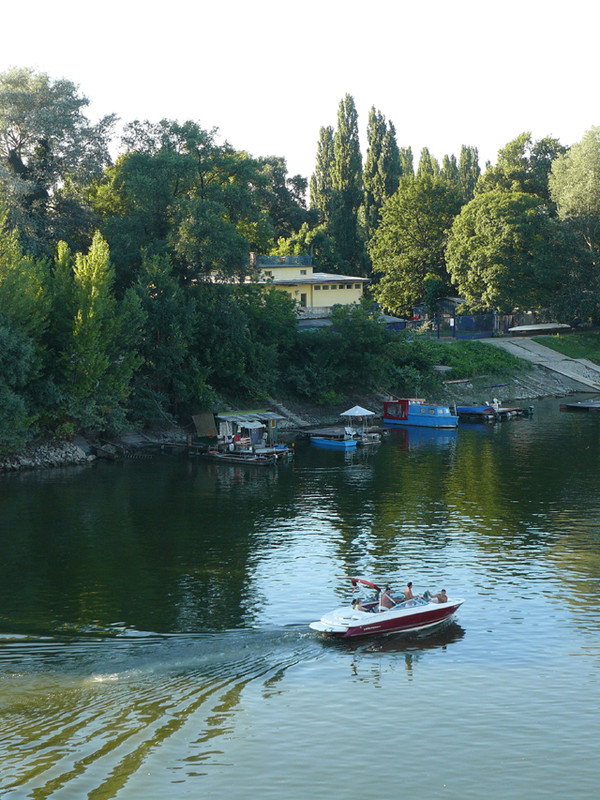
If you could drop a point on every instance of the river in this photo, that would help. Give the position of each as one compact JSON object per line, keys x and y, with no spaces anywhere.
{"x":154,"y":614}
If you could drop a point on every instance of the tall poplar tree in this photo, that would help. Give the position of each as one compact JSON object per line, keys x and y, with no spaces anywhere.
{"x":374,"y":174}
{"x":468,"y":167}
{"x":347,"y":186}
{"x":392,"y":164}
{"x":406,"y":162}
{"x":321,"y":182}
{"x":449,"y":169}
{"x":428,"y":165}
{"x":382,"y":170}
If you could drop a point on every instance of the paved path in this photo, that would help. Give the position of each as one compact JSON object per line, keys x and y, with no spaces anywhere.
{"x":577,"y":369}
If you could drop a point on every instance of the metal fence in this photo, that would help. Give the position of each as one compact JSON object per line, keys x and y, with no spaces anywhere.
{"x":481,"y":326}
{"x":473,"y":326}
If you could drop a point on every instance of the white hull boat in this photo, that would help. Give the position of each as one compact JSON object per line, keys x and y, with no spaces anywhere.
{"x":372,"y":619}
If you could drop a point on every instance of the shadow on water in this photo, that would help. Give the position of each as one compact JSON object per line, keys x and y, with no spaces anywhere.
{"x":446,"y":634}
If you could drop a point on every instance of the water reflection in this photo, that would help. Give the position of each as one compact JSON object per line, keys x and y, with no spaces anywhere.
{"x":414,"y":438}
{"x":407,"y":649}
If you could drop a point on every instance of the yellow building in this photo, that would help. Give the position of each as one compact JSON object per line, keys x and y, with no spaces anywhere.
{"x":315,"y":292}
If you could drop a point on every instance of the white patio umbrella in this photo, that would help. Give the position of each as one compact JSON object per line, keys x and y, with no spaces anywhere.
{"x":357,"y":411}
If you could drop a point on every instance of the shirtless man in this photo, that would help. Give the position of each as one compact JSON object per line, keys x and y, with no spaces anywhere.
{"x":387,"y":601}
{"x":440,"y":597}
{"x":408,"y":595}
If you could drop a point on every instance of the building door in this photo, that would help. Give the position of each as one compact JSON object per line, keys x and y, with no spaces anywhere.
{"x":303,"y":300}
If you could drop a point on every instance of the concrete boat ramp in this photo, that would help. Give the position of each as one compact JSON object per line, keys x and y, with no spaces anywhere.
{"x":580,"y":370}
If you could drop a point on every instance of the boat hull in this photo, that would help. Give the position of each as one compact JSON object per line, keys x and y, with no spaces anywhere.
{"x":333,"y":444}
{"x":423,"y":422}
{"x":348,"y":623}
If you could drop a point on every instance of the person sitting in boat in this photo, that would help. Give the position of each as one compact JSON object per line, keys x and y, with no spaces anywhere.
{"x":357,"y":605}
{"x":440,"y":597}
{"x":408,"y":593}
{"x":386,"y":600}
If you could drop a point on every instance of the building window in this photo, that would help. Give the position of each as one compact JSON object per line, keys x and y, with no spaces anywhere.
{"x":325,"y":288}
{"x":348,"y":286}
{"x":341,"y":286}
{"x":333,"y":286}
{"x":357,"y":285}
{"x":302,"y":272}
{"x":317,"y":288}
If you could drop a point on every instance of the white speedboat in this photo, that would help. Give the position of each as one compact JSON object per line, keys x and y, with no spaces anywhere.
{"x":372,"y":618}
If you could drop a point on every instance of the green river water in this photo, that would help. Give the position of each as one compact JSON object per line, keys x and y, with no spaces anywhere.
{"x":154,"y":614}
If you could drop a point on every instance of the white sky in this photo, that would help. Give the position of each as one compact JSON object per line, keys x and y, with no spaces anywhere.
{"x":270,"y":73}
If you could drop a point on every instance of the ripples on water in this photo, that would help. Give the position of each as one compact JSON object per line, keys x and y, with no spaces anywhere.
{"x":229,"y":693}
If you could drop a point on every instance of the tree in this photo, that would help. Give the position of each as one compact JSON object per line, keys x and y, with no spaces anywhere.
{"x":373,"y":174}
{"x":506,"y":251}
{"x":575,"y":188}
{"x":381,"y":173}
{"x":23,"y":286}
{"x":48,"y":148}
{"x":469,"y":171}
{"x":347,"y":186}
{"x":282,"y":198}
{"x":170,"y":373}
{"x":406,"y":162}
{"x":574,"y":184}
{"x":449,"y":170}
{"x":101,"y":356}
{"x":179,"y":194}
{"x":321,"y":182}
{"x":243,"y":332}
{"x":411,"y":240}
{"x":428,"y":165}
{"x":523,"y":166}
{"x":19,"y":364}
{"x":316,"y":242}
{"x":392,"y":161}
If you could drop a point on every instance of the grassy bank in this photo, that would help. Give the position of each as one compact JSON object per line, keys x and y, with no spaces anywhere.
{"x":574,"y":345}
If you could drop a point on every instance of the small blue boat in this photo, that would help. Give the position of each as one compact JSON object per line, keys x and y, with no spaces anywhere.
{"x":333,"y":442}
{"x":487,"y":411}
{"x":418,"y":412}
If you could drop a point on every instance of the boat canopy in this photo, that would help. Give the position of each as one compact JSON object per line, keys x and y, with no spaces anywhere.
{"x":363,"y":582}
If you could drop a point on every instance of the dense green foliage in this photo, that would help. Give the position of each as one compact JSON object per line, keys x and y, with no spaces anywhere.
{"x":505,"y":251}
{"x":110,"y":313}
{"x":49,"y":151}
{"x":410,"y":241}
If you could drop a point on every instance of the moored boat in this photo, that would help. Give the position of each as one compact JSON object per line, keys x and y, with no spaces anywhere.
{"x":486,"y":411}
{"x":372,"y":618}
{"x":418,"y":412}
{"x":581,"y":405}
{"x":342,"y":441}
{"x":256,"y":456}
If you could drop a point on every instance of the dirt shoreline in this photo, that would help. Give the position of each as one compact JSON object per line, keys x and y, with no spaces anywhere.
{"x":518,"y":389}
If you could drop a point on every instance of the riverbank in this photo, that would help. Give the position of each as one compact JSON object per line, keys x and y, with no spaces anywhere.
{"x":520,"y":388}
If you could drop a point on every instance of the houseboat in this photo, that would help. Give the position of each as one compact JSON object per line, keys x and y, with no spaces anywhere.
{"x":418,"y":412}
